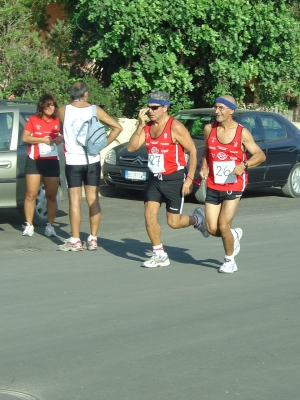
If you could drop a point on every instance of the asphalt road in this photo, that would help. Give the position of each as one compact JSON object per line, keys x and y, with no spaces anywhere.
{"x":95,"y":325}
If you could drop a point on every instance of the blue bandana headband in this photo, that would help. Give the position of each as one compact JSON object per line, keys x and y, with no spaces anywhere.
{"x":161,"y":102}
{"x":225,"y":102}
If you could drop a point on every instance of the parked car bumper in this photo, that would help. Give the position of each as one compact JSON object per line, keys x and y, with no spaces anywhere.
{"x":116,"y":176}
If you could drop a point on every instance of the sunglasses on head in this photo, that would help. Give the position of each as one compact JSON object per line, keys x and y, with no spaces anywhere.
{"x":154,"y":108}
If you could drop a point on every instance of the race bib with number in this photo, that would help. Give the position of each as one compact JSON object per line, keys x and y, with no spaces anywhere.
{"x":156,"y":163}
{"x":48,"y":151}
{"x":223,"y":172}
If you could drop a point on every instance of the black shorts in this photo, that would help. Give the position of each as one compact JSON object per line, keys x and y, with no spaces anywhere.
{"x":216,"y":196}
{"x":169,"y":190}
{"x":46,"y":168}
{"x":88,"y":174}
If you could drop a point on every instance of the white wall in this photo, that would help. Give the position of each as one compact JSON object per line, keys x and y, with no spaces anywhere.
{"x":297,"y":124}
{"x":129,"y":126}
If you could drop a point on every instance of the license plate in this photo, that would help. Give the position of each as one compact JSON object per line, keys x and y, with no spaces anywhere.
{"x":135,"y":175}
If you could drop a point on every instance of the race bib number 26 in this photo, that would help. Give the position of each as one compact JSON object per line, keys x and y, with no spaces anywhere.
{"x":223,"y":172}
{"x":156,"y":163}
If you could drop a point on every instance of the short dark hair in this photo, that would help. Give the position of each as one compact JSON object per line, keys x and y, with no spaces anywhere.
{"x":44,"y":101}
{"x":78,"y":89}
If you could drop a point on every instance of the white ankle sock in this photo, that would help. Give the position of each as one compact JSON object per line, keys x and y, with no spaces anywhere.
{"x":159,"y":249}
{"x":74,"y":240}
{"x":92,"y":237}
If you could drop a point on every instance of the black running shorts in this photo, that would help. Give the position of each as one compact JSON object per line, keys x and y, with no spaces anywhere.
{"x":46,"y":168}
{"x":216,"y":196}
{"x":88,"y":174}
{"x":168,"y":190}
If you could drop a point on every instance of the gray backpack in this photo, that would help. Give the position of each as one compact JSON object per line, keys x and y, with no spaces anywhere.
{"x":92,"y":136}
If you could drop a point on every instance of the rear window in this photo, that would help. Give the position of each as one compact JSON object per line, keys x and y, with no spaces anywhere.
{"x":24,"y":117}
{"x":195,"y":123}
{"x":273,"y":129}
{"x":6,"y":125}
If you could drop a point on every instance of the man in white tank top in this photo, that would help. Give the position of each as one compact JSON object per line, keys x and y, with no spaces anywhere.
{"x":71,"y":117}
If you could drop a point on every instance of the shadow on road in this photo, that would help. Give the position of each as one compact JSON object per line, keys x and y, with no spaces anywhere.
{"x":135,"y":250}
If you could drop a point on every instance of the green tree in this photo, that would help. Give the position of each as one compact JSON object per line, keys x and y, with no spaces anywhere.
{"x":27,"y":68}
{"x":194,"y":49}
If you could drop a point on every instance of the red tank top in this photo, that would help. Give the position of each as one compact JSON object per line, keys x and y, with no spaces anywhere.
{"x":164,"y":156}
{"x":222,"y":159}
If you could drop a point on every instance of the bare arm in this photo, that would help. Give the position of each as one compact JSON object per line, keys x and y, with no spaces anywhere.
{"x":27,"y":138}
{"x":61,"y":117}
{"x":181,"y":135}
{"x":138,"y":137}
{"x":257,"y":155}
{"x":204,"y":168}
{"x":115,"y":127}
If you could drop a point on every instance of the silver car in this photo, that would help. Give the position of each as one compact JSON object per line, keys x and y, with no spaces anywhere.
{"x":13,"y":152}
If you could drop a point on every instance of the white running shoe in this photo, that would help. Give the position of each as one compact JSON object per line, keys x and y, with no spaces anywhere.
{"x":237,"y":239}
{"x":69,"y":246}
{"x":91,"y":244}
{"x":229,"y":266}
{"x":29,"y":230}
{"x":201,"y":226}
{"x":49,"y":230}
{"x":157,"y":260}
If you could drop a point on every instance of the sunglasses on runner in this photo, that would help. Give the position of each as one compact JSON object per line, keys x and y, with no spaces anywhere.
{"x":154,"y":108}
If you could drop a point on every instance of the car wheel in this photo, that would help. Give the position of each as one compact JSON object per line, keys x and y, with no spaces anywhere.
{"x":292,"y":187}
{"x":200,"y":194}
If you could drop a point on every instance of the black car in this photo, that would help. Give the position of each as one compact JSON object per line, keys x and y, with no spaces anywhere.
{"x":275,"y":135}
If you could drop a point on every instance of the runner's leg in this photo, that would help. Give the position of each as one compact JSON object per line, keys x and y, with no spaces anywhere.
{"x":177,"y":221}
{"x":75,"y":197}
{"x":227,"y":212}
{"x":212,"y":212}
{"x":33,"y":182}
{"x":51,"y":187}
{"x":172,"y":191}
{"x":92,"y":198}
{"x":152,"y":226}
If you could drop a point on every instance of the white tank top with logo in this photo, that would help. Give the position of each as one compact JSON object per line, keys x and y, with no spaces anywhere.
{"x":74,"y":118}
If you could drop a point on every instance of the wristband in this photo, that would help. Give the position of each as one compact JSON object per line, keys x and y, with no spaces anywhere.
{"x":197,"y":182}
{"x":203,"y":166}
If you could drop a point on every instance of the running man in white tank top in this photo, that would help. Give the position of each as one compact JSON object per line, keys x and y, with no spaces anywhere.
{"x":78,"y":170}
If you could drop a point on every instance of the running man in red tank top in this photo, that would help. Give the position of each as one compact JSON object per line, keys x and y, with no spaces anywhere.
{"x":224,"y":166}
{"x":165,"y":139}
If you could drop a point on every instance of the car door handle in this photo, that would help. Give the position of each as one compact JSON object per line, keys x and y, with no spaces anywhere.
{"x":5,"y":164}
{"x":291,"y":149}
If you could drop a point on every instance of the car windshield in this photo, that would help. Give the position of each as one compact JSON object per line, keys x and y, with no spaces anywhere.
{"x":195,"y":122}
